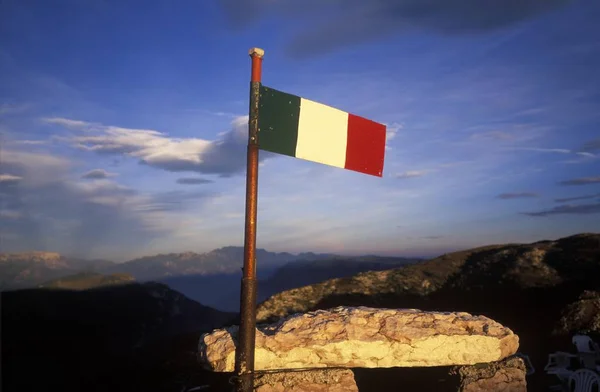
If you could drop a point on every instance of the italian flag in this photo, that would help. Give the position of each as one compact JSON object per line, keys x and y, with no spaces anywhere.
{"x":301,"y":128}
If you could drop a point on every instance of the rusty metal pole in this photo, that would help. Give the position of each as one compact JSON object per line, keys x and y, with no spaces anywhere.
{"x":244,"y":355}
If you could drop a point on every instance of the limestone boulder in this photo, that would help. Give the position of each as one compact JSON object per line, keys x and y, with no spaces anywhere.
{"x":365,"y":337}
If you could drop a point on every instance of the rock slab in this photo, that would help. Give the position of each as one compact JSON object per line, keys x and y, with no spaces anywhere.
{"x":508,"y":375}
{"x":320,"y":380}
{"x":351,"y":337}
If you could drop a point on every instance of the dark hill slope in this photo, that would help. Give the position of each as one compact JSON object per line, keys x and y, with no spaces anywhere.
{"x":95,"y":340}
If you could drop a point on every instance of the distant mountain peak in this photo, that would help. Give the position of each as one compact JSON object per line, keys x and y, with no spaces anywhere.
{"x":50,"y":260}
{"x":31,"y":255}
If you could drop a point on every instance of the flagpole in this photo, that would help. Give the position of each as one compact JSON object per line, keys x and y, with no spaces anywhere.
{"x":244,"y":355}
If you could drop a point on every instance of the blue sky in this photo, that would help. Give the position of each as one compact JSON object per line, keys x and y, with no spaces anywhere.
{"x":124,"y":124}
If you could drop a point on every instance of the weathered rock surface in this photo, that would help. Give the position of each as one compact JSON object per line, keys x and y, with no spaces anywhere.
{"x":365,"y":337}
{"x":582,"y":316}
{"x":507,"y":268}
{"x":319,"y":380}
{"x":507,"y":375}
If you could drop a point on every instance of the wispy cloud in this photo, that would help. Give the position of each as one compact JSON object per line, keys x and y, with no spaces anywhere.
{"x":215,"y":113}
{"x":581,"y":181}
{"x":582,"y":156}
{"x":411,"y":174}
{"x":9,"y":178}
{"x":582,"y":209}
{"x":391,"y":131}
{"x":193,"y":181}
{"x":97,"y":174}
{"x":29,"y":142}
{"x":518,"y":195}
{"x":71,"y":124}
{"x":568,"y":199}
{"x":586,"y":154}
{"x":493,"y":135}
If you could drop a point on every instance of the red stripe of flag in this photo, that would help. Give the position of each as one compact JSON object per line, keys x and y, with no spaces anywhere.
{"x":365,"y":149}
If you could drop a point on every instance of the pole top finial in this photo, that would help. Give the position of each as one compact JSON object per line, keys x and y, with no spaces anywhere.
{"x":258,"y":52}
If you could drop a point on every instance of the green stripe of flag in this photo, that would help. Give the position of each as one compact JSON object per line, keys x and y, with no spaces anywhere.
{"x":278,"y":121}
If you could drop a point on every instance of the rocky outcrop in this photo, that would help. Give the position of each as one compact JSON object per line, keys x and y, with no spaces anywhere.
{"x":582,"y":316}
{"x":507,"y":375}
{"x":366,"y":337}
{"x":319,"y":380}
{"x":573,"y":260}
{"x":419,"y":279}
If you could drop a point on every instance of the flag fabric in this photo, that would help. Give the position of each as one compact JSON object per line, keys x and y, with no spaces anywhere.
{"x":304,"y":129}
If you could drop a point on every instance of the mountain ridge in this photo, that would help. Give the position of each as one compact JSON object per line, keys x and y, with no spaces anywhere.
{"x":31,"y":268}
{"x":430,"y":275}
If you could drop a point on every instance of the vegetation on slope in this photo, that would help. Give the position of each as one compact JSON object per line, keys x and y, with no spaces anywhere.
{"x":87,"y":280}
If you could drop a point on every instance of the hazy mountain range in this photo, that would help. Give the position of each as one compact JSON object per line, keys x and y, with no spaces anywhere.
{"x":196,"y":275}
{"x":28,"y":269}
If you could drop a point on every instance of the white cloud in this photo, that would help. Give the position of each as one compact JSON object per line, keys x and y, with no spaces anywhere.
{"x":536,"y":149}
{"x":68,"y":123}
{"x":224,"y":156}
{"x":391,"y":131}
{"x":9,"y":178}
{"x":586,"y":154}
{"x":583,"y":157}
